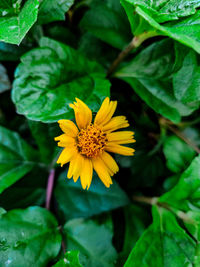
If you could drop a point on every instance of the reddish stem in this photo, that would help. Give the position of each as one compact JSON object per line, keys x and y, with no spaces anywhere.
{"x":50,"y":188}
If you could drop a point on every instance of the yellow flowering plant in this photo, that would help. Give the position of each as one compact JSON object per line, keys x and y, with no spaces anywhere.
{"x":79,"y":188}
{"x":87,"y":147}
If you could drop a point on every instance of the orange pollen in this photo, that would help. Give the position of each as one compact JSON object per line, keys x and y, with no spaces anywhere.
{"x":91,"y":141}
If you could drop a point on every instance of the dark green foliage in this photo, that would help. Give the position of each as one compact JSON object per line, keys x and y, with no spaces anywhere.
{"x":164,"y":243}
{"x":145,"y":55}
{"x":53,"y":83}
{"x":28,"y":237}
{"x":96,"y":249}
{"x":16,"y":158}
{"x":71,"y":259}
{"x":15,"y":20}
{"x":53,"y":10}
{"x":106,"y":20}
{"x":75,"y":203}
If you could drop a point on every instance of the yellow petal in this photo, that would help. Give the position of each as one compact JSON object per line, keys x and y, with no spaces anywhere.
{"x":122,"y":137}
{"x":77,"y":171}
{"x":86,"y":173}
{"x":75,"y":167}
{"x":65,"y":140}
{"x":110,"y":162}
{"x":115,"y":123}
{"x":105,"y":112}
{"x":68,"y":127}
{"x":82,"y":112}
{"x":102,"y":111}
{"x":66,"y":155}
{"x":102,"y":171}
{"x":118,"y":149}
{"x":71,"y":168}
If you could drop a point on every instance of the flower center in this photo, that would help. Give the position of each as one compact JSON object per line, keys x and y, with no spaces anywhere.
{"x":91,"y":141}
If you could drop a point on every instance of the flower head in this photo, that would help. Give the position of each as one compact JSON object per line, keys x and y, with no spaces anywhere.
{"x":86,"y":147}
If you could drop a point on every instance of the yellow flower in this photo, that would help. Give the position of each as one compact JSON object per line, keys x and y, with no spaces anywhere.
{"x":86,"y":148}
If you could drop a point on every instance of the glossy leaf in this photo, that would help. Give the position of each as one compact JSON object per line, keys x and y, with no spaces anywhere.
{"x":186,"y":31}
{"x":10,"y":7}
{"x":185,"y":195}
{"x":164,"y":244}
{"x":52,"y":84}
{"x":28,"y":237}
{"x":53,"y":10}
{"x":176,"y":19}
{"x":192,"y":223}
{"x":94,"y":201}
{"x":186,"y":80}
{"x":178,"y":154}
{"x":167,"y":10}
{"x":107,"y":21}
{"x":15,"y":23}
{"x":17,"y":158}
{"x":149,"y":75}
{"x":71,"y":259}
{"x":92,"y":240}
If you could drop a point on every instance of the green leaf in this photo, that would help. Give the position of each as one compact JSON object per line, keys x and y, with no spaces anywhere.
{"x":15,"y":26}
{"x":4,"y":80}
{"x":176,"y":19}
{"x":149,"y":74}
{"x":137,"y":219}
{"x":92,"y":240}
{"x":185,"y":195}
{"x":53,"y":10}
{"x":107,"y":21}
{"x":178,"y":154}
{"x":192,"y":223}
{"x":186,"y":80}
{"x":50,"y":77}
{"x":171,"y":181}
{"x":164,"y":244}
{"x":186,"y":30}
{"x":96,"y":200}
{"x":10,"y":7}
{"x":137,"y":23}
{"x":155,"y":61}
{"x":17,"y":158}
{"x":28,"y":237}
{"x":71,"y":259}
{"x":166,"y":10}
{"x":28,"y":191}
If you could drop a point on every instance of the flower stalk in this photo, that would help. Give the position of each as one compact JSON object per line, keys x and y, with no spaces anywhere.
{"x":49,"y":191}
{"x":135,"y":42}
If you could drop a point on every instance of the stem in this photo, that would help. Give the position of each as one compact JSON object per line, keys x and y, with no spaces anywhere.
{"x":63,"y":242}
{"x":50,"y":188}
{"x":164,"y":123}
{"x":135,"y":42}
{"x":154,"y":201}
{"x":184,"y":138}
{"x":63,"y":246}
{"x":147,"y":200}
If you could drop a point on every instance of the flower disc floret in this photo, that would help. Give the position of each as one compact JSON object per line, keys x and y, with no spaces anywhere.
{"x":91,"y":141}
